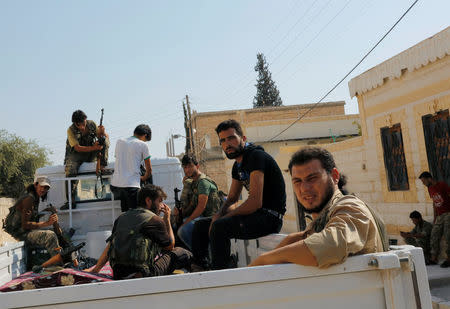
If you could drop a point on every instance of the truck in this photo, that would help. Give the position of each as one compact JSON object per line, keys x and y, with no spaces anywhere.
{"x":393,"y":279}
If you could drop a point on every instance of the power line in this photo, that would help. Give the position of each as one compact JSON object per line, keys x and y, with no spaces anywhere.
{"x":315,"y":37}
{"x":335,"y":86}
{"x":336,"y":37}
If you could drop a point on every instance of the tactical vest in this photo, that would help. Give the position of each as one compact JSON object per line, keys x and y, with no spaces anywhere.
{"x":319,"y":224}
{"x":128,"y":245}
{"x":83,"y":140}
{"x":215,"y":200}
{"x":12,"y":224}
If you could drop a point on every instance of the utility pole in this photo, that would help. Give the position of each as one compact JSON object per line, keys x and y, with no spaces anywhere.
{"x":191,"y":142}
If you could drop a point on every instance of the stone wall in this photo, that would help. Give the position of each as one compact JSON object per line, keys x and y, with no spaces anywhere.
{"x":5,"y":203}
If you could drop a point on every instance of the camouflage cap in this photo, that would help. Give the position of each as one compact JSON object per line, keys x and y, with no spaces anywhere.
{"x":43,"y":181}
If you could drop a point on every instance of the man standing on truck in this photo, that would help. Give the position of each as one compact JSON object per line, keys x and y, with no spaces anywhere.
{"x":262,"y":213}
{"x":22,"y":221}
{"x":419,"y":235}
{"x":341,"y":226}
{"x":204,"y":199}
{"x":440,"y":194}
{"x":130,"y":152}
{"x":142,"y":243}
{"x":82,"y":146}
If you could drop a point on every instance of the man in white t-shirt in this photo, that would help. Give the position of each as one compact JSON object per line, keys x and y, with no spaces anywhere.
{"x":129,"y":153}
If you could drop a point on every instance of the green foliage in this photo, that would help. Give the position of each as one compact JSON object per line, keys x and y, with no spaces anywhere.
{"x":267,"y":93}
{"x":19,"y":160}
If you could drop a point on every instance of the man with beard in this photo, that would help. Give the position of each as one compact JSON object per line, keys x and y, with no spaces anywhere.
{"x":142,"y":243}
{"x":440,"y":194}
{"x":204,"y":199}
{"x":261,"y":214}
{"x":342,"y":225}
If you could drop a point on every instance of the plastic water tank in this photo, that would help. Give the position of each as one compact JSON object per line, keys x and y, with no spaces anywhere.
{"x":96,"y":243}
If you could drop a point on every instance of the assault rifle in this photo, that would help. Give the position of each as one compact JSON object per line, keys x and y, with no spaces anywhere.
{"x":100,"y":157}
{"x":101,"y":154}
{"x":149,"y":180}
{"x":63,"y":241}
{"x":179,"y":206}
{"x":66,"y":252}
{"x":65,"y":255}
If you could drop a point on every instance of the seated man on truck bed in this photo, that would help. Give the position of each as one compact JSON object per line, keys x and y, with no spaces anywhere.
{"x":22,"y":221}
{"x":259,"y":215}
{"x":142,"y":243}
{"x":342,"y":225}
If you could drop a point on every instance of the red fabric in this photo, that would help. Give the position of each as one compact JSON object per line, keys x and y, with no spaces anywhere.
{"x":63,"y":277}
{"x":440,"y":194}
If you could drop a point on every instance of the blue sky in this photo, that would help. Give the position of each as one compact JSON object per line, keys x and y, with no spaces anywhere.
{"x":138,"y":59}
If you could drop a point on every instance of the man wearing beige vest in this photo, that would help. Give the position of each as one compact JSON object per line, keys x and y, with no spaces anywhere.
{"x":342,"y":225}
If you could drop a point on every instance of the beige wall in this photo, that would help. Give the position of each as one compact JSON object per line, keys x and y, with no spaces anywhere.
{"x":5,"y":203}
{"x":260,"y":125}
{"x":404,"y":100}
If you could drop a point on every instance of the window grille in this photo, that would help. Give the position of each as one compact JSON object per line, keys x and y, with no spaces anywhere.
{"x":436,"y":132}
{"x":394,"y":158}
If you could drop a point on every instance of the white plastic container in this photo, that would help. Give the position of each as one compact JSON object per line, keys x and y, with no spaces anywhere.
{"x":96,"y":243}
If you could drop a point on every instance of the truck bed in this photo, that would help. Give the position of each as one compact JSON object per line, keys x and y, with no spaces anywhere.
{"x":394,"y":279}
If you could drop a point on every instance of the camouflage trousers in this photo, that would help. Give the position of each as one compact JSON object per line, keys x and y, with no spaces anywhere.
{"x":440,"y":227}
{"x":74,"y":160}
{"x":43,"y":238}
{"x":423,"y":243}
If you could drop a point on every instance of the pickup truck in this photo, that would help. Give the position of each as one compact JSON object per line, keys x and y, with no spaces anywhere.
{"x":394,"y":279}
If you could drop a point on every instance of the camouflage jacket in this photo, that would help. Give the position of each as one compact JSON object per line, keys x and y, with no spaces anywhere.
{"x":128,"y":246}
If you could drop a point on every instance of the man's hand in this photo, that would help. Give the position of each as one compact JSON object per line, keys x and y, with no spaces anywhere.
{"x":96,"y":146}
{"x":52,"y":219}
{"x":101,"y":131}
{"x":214,"y":218}
{"x":166,"y":210}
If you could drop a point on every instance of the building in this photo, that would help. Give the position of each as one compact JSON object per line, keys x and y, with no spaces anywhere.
{"x":404,"y":107}
{"x":322,"y":124}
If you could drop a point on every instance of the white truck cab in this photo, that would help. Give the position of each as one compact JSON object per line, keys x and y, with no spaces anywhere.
{"x":96,"y":210}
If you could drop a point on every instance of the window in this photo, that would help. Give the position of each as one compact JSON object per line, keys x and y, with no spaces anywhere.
{"x":86,"y":190}
{"x":394,"y":158}
{"x":436,"y":132}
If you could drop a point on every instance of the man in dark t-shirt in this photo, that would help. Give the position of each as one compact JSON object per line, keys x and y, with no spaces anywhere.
{"x":142,"y":243}
{"x":262,"y":213}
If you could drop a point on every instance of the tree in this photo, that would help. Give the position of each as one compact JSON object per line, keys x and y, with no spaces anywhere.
{"x":267,"y":93}
{"x":19,"y":160}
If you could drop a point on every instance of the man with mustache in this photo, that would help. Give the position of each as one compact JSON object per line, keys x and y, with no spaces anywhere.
{"x":261,"y":214}
{"x":342,"y":225}
{"x":142,"y":243}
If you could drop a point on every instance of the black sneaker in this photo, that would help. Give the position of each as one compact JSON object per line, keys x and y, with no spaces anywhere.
{"x":445,"y":264}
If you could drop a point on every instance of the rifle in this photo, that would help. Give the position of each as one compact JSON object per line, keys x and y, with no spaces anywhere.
{"x":63,"y":242}
{"x":179,"y":206}
{"x":101,"y":141}
{"x":149,"y":180}
{"x":98,"y":169}
{"x":65,"y":255}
